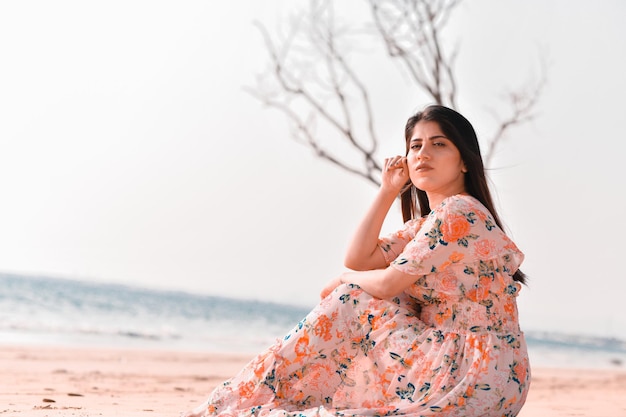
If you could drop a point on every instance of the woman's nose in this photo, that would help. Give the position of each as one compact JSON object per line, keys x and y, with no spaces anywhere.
{"x":424,"y":153}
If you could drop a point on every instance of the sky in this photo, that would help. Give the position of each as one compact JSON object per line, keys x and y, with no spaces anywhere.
{"x":131,"y":153}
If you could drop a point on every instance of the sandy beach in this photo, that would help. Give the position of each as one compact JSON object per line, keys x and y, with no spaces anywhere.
{"x":78,"y":382}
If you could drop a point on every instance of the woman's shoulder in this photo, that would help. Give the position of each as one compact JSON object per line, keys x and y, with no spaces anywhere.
{"x":472,"y":224}
{"x":462,"y":204}
{"x":411,"y":227}
{"x":467,"y":208}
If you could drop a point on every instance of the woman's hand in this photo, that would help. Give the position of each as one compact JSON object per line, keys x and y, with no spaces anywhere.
{"x":395,"y":173}
{"x":330,"y":287}
{"x":363,"y":253}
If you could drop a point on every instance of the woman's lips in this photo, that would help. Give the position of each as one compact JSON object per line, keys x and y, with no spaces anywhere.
{"x":423,"y":167}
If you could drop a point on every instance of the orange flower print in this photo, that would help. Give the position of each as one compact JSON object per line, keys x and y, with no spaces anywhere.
{"x":323,"y":328}
{"x":246,"y":390}
{"x":452,"y":259}
{"x":455,"y":228}
{"x":302,"y":348}
{"x":520,"y":371}
{"x":364,"y":318}
{"x":510,"y":246}
{"x":472,"y":294}
{"x":456,"y":257}
{"x":484,"y":249}
{"x":443,"y":316}
{"x":320,"y":375}
{"x":444,"y":266}
{"x":375,"y":322}
{"x":509,"y":307}
{"x":259,"y":370}
{"x":481,"y":291}
{"x":448,"y":281}
{"x":391,"y":325}
{"x":356,"y":292}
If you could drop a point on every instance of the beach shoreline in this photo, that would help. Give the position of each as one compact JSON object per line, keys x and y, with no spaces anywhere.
{"x":55,"y":381}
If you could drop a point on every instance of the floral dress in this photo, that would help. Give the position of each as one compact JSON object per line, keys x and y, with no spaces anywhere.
{"x":450,"y":345}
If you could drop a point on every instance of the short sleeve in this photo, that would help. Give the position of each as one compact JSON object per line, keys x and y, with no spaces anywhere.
{"x":393,"y":244}
{"x":460,"y":231}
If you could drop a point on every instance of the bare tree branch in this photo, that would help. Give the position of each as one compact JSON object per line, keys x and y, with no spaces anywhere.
{"x":304,"y":129}
{"x":326,"y":94}
{"x":523,"y":103}
{"x":411,"y":30}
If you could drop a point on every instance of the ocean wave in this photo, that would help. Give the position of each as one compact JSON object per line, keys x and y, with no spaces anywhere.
{"x":43,"y":309}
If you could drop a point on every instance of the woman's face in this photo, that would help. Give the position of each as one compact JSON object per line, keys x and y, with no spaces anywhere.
{"x":435,"y":164}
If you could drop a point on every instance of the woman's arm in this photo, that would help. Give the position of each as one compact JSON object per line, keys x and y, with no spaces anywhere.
{"x":363,"y":253}
{"x":381,"y":283}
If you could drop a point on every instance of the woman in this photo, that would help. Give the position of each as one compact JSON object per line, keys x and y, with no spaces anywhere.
{"x":426,"y":323}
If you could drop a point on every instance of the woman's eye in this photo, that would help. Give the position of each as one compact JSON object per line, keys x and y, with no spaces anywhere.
{"x":416,"y":146}
{"x":439,"y":144}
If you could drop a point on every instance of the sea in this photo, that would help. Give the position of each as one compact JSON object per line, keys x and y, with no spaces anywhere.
{"x":50,"y":311}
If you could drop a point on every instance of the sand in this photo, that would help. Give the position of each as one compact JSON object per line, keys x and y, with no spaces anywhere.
{"x":53,"y":381}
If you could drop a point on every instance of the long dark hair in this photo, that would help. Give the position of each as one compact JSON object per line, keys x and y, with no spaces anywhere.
{"x":460,"y":131}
